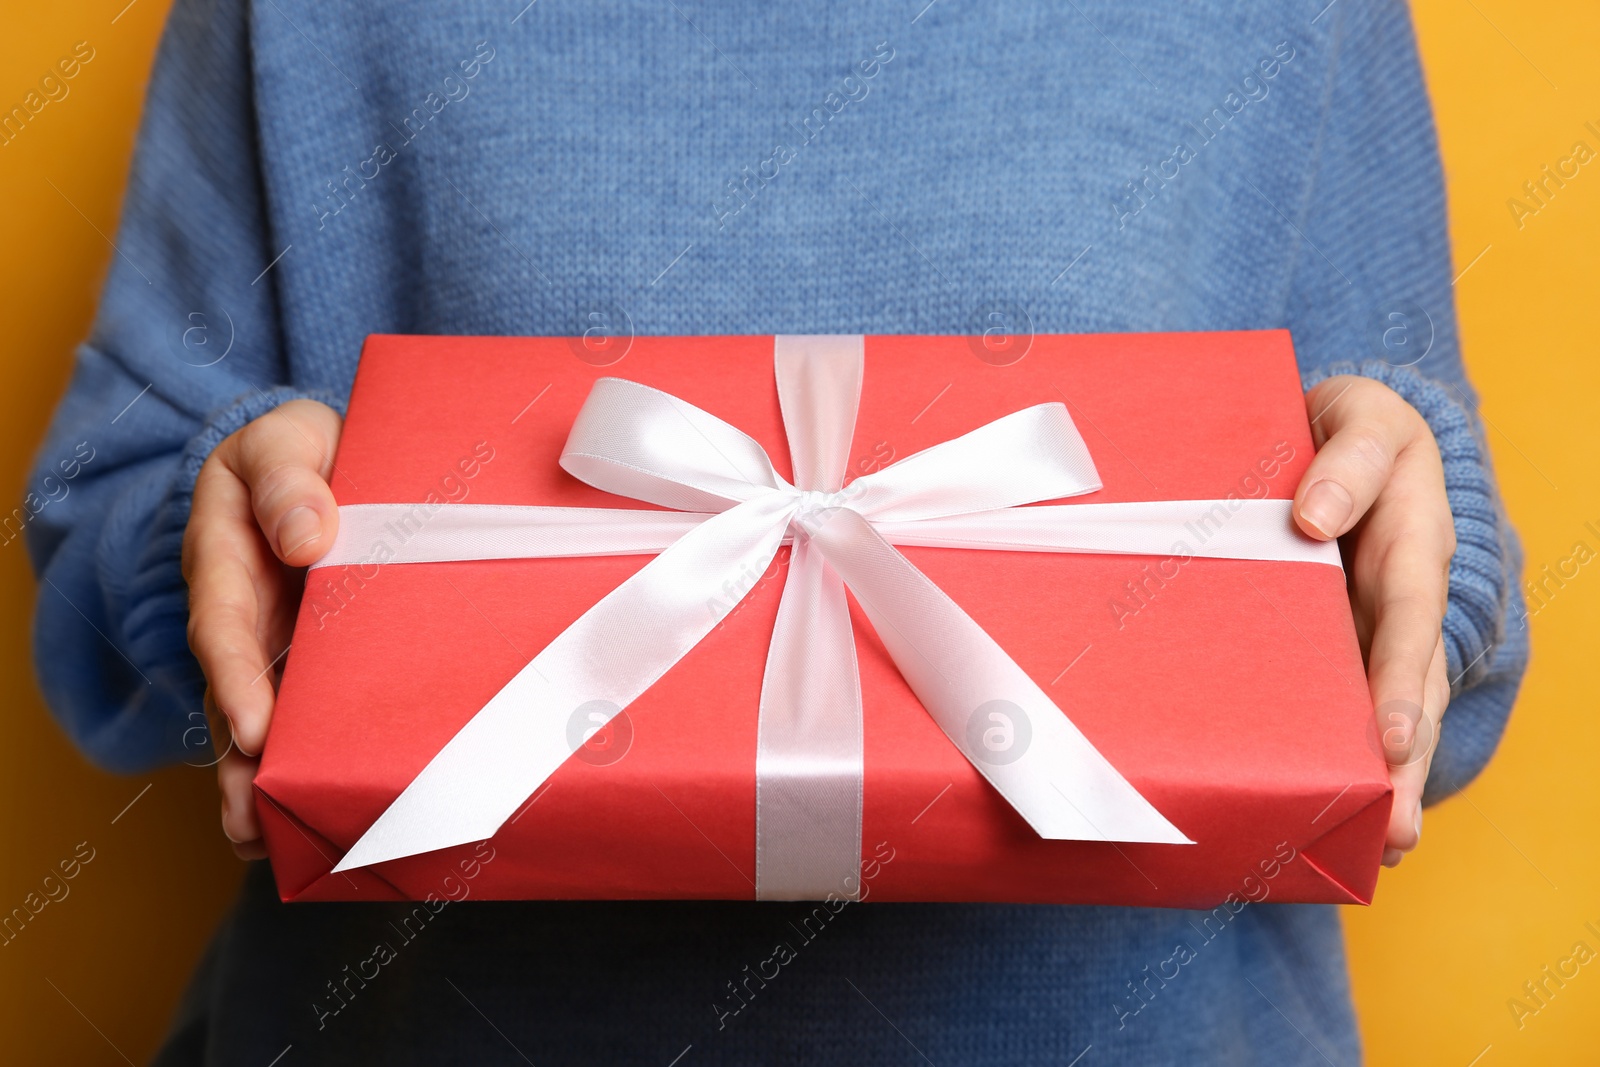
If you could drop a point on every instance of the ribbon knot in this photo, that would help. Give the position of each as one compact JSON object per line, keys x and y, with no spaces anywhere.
{"x":814,"y":507}
{"x":733,"y":513}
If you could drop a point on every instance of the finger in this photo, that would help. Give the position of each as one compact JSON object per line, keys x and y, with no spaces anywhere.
{"x":1405,"y":814}
{"x":235,"y":774}
{"x":1367,"y":427}
{"x":1409,"y":780}
{"x":251,"y":850}
{"x":1408,"y":596}
{"x":285,"y":458}
{"x":218,"y":730}
{"x":224,"y":558}
{"x":1436,"y":691}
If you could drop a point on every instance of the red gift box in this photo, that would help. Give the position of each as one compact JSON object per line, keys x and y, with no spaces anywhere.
{"x":1230,"y":693}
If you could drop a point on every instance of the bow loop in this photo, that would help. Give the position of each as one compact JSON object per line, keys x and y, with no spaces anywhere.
{"x":639,"y":442}
{"x":1030,"y":455}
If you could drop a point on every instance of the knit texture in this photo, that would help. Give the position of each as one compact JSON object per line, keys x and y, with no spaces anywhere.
{"x":309,"y":173}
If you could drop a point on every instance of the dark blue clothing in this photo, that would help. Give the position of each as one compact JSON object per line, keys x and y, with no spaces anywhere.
{"x":309,"y":173}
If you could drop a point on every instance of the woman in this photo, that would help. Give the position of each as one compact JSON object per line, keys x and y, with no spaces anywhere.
{"x":311,"y":173}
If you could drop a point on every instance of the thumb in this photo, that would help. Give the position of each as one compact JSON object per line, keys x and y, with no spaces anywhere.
{"x":285,"y":459}
{"x":1360,"y":442}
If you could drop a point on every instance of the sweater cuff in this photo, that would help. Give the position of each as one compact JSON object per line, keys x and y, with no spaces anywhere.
{"x":157,"y":596}
{"x":235,"y":416}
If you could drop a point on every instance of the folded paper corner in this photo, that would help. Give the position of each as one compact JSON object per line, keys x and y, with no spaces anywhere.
{"x":1346,"y":856}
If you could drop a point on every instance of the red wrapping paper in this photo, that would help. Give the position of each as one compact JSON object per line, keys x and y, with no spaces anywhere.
{"x":1231,"y":693}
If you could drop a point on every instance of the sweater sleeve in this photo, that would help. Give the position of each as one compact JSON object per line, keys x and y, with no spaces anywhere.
{"x":185,"y":349}
{"x":1372,"y":293}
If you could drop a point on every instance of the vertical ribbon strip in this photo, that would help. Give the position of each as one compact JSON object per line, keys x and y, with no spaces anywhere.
{"x":809,"y":773}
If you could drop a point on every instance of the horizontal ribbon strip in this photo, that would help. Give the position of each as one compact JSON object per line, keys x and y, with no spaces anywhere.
{"x":1208,"y":529}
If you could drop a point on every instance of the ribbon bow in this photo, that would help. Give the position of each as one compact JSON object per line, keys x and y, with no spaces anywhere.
{"x":733,"y":512}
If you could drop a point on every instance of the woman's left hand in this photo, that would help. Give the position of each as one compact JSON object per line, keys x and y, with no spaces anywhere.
{"x":1378,"y":482}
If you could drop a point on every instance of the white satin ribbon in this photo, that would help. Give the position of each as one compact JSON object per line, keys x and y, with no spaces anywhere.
{"x":732,"y":512}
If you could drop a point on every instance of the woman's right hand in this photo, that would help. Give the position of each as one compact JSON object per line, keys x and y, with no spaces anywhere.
{"x":262,"y":511}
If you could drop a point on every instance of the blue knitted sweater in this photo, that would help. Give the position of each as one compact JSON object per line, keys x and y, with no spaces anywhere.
{"x":309,"y":173}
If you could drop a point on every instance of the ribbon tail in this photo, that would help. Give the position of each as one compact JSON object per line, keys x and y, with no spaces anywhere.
{"x":808,"y":750}
{"x":600,"y":664}
{"x":990,"y":709}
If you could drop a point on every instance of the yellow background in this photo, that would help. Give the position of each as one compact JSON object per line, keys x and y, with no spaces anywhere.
{"x":1508,"y":873}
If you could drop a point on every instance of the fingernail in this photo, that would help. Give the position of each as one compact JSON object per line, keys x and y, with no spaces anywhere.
{"x":225,"y":833}
{"x":295,"y":529}
{"x":1417,"y":821}
{"x":1326,"y":507}
{"x":1392,"y":857}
